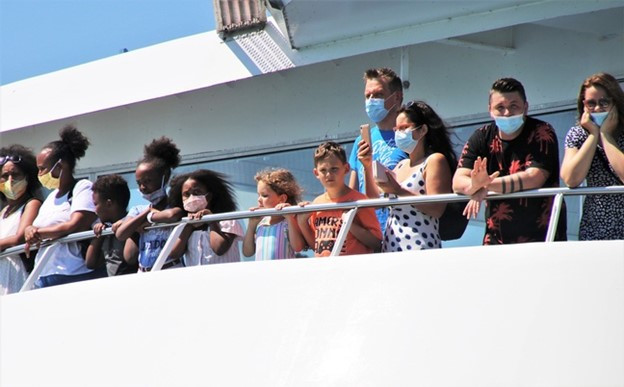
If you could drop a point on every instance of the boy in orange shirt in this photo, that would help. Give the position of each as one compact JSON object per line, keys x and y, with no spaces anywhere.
{"x":320,"y":229}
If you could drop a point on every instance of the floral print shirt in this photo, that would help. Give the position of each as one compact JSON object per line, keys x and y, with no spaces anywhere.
{"x":525,"y":219}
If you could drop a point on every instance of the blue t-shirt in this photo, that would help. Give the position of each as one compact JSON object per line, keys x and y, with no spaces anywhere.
{"x":386,"y":152}
{"x":151,"y":242}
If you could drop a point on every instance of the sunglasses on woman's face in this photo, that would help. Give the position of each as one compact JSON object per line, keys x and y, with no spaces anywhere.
{"x":11,"y":158}
{"x":592,"y":103}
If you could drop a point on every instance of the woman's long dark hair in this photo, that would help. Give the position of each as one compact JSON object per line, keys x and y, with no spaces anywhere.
{"x":437,"y":137}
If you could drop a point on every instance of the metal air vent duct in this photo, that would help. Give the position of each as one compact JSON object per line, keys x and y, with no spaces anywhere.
{"x":235,"y":16}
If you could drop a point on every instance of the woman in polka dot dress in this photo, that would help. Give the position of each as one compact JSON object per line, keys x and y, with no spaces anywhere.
{"x":429,"y":169}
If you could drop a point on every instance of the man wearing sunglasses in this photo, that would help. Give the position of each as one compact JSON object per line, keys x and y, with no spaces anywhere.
{"x":514,"y":153}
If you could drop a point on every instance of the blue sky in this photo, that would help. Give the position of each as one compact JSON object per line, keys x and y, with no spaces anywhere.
{"x":41,"y":36}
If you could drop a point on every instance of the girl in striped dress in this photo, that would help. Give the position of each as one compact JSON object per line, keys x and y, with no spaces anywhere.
{"x":269,"y":237}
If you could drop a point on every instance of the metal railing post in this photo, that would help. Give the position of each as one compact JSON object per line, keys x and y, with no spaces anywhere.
{"x":347,"y":220}
{"x":554,"y":217}
{"x":164,"y":253}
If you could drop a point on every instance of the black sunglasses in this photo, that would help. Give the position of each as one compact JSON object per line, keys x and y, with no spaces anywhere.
{"x":12,"y":158}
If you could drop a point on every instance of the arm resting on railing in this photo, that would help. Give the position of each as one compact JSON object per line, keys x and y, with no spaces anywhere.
{"x":531,"y":178}
{"x":577,"y":161}
{"x":78,"y":221}
{"x":365,"y":236}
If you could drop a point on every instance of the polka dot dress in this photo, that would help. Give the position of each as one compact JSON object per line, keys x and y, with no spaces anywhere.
{"x":408,"y":228}
{"x":603,"y":215}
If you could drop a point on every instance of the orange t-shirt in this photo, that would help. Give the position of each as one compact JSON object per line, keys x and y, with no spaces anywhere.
{"x":326,"y":226}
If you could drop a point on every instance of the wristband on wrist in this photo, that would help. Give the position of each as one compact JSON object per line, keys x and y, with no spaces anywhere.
{"x":149,"y":218}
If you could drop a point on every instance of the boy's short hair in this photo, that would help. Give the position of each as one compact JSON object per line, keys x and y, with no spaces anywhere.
{"x":114,"y":188}
{"x":327,"y":149}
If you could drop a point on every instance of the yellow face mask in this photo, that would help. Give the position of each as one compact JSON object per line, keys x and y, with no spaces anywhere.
{"x":49,"y":181}
{"x":13,"y":189}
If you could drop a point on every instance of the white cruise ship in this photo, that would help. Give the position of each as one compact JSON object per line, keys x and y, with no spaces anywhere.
{"x":275,"y":79}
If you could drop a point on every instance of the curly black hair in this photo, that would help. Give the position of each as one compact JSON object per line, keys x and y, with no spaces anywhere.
{"x":112,"y":187}
{"x":163,"y":154}
{"x":71,"y":147}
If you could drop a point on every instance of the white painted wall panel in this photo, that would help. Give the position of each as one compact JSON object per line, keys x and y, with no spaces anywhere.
{"x":326,"y":99}
{"x":517,"y":315}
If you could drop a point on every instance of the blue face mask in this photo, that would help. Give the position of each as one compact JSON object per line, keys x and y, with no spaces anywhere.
{"x":599,"y":118}
{"x":376,"y":109}
{"x":404,"y":140}
{"x":509,"y":125}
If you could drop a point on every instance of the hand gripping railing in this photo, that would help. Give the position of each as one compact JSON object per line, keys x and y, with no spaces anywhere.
{"x":382,"y":202}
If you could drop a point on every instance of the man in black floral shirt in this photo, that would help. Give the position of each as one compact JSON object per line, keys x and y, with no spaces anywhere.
{"x":514,"y":153}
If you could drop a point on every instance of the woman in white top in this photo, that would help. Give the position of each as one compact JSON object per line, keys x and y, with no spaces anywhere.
{"x":68,"y":209}
{"x":428,"y":170}
{"x":20,"y":189}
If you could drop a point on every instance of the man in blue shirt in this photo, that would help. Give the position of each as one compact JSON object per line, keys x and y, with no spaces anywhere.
{"x":383,"y":93}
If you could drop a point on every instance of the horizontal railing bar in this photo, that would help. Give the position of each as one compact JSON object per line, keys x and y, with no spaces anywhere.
{"x":381,"y":202}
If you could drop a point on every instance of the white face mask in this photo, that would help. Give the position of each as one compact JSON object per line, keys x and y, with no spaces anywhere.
{"x":405,"y":141}
{"x":195,"y":203}
{"x":158,"y":195}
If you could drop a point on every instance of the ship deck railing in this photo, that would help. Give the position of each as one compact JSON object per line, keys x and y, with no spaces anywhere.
{"x":351,"y":208}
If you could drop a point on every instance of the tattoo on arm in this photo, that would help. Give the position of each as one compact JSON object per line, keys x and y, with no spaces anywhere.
{"x":511,"y":180}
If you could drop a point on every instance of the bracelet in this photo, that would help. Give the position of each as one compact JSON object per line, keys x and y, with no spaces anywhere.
{"x":149,"y":218}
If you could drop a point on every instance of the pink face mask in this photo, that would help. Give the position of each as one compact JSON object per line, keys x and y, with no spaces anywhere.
{"x":195,"y":203}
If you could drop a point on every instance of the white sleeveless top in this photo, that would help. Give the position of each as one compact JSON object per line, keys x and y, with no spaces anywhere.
{"x":199,"y":251}
{"x":407,"y":228}
{"x":12,"y":271}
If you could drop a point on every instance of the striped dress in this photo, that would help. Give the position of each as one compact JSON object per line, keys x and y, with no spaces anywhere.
{"x":272,"y":241}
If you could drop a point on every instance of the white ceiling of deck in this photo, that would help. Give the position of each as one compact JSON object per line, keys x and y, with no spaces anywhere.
{"x":316,"y":22}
